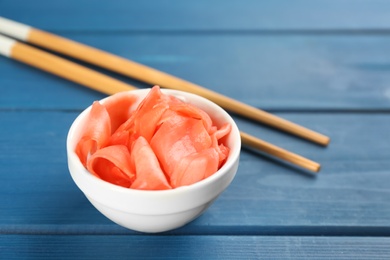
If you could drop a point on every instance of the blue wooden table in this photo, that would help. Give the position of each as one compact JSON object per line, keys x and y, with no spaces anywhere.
{"x":321,"y":64}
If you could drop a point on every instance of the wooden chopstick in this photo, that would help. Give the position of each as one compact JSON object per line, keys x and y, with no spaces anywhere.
{"x":251,"y":141}
{"x":100,"y":82}
{"x":152,"y":76}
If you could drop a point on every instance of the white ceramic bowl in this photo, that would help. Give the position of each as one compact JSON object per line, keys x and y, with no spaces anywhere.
{"x":156,"y":211}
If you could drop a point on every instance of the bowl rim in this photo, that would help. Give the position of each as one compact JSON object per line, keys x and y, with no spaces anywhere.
{"x":230,"y":162}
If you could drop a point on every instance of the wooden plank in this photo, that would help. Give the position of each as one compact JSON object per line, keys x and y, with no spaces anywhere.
{"x":349,"y":196}
{"x":192,"y":247}
{"x":271,"y":72}
{"x":233,"y":15}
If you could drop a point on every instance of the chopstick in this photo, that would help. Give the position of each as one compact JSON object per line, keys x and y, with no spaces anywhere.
{"x":278,"y":152}
{"x":61,"y":67}
{"x":149,"y":75}
{"x":105,"y":84}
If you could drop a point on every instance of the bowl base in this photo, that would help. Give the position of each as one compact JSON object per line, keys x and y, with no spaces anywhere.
{"x":150,"y":223}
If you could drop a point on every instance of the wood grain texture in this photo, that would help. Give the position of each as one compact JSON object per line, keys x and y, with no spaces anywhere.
{"x":232,"y":15}
{"x":192,"y":247}
{"x":349,"y":196}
